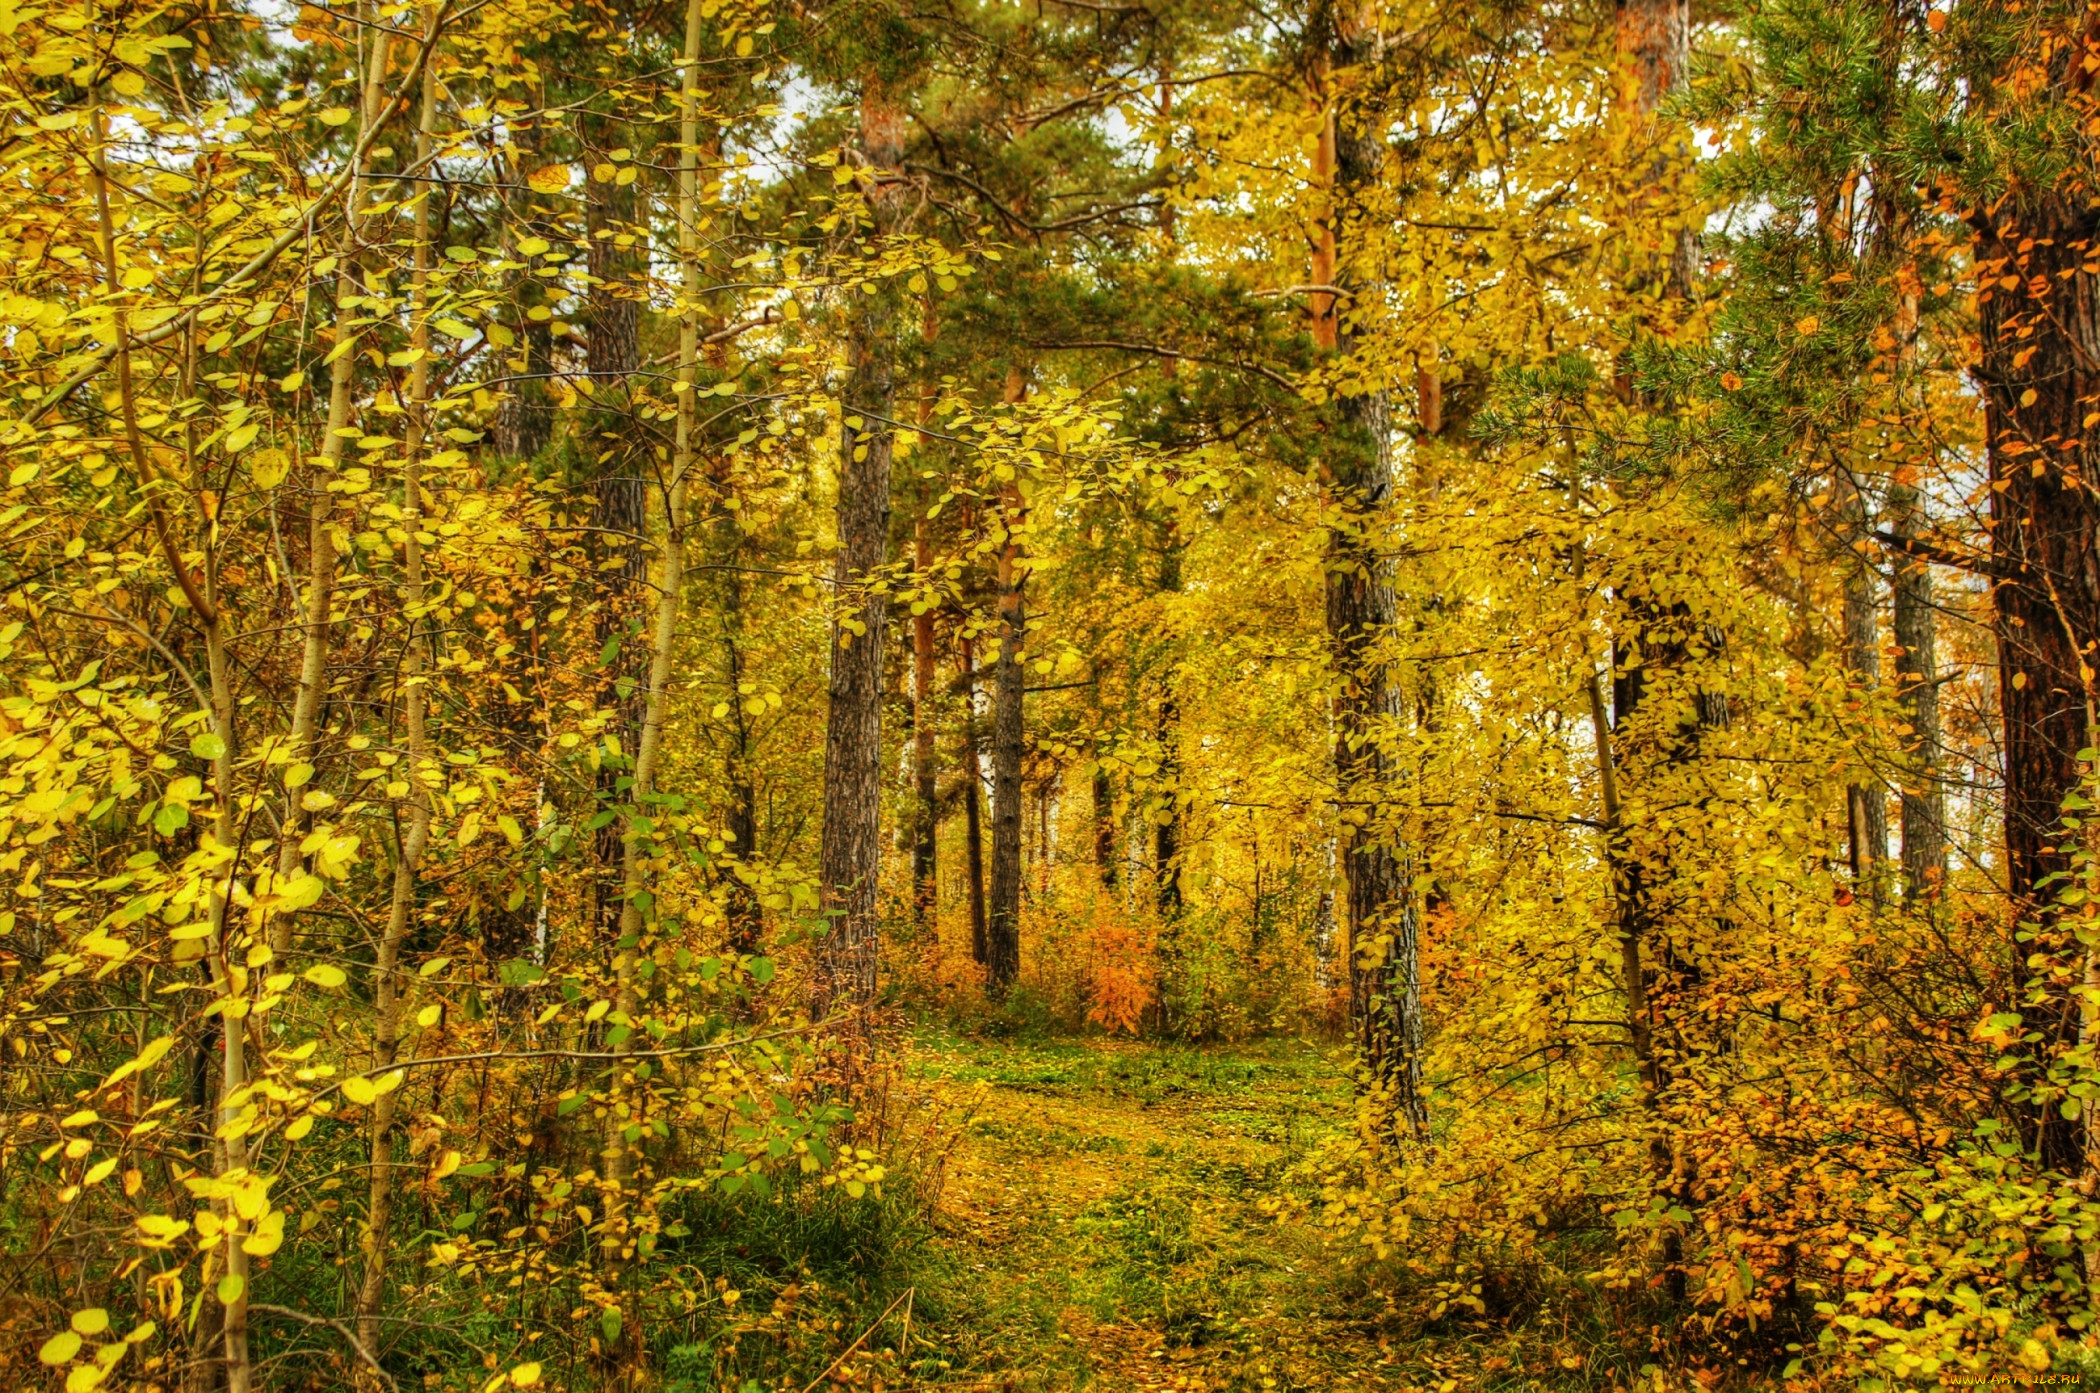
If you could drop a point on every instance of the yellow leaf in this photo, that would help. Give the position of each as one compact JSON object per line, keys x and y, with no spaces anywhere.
{"x":267,"y":467}
{"x":551,"y":178}
{"x":358,"y":1089}
{"x":428,"y":1016}
{"x":326,"y":975}
{"x":93,"y":1321}
{"x":59,"y":1348}
{"x":525,"y":1375}
{"x":335,"y":116}
{"x":96,"y":1174}
{"x":299,"y":1127}
{"x":1807,"y":324}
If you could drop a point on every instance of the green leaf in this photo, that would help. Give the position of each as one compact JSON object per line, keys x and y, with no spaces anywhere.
{"x":207,"y":746}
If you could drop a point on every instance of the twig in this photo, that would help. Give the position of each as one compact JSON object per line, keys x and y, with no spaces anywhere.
{"x":862,"y":1336}
{"x":338,"y":1327}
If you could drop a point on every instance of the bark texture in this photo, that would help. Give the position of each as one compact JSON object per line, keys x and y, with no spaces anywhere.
{"x":1167,"y":833}
{"x":850,"y":862}
{"x":1385,"y":987}
{"x":2040,"y":375}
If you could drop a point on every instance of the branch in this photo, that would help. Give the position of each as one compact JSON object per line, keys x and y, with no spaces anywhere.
{"x":1014,"y":219}
{"x":338,"y":1327}
{"x":1940,"y":556}
{"x":1159,"y":351}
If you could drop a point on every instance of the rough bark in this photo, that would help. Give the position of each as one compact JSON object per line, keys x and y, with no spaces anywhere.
{"x":1362,"y":608}
{"x":525,"y":417}
{"x":851,"y":858}
{"x":1915,"y":623}
{"x":2040,"y":376}
{"x":1105,"y":826}
{"x":1167,"y":831}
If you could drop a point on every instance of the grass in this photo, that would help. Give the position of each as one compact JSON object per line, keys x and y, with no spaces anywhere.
{"x":1098,"y":1225}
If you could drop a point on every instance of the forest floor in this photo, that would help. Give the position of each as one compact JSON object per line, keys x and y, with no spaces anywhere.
{"x":1098,"y":1225}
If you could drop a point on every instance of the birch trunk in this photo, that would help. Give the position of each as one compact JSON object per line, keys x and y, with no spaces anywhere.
{"x":1915,"y":622}
{"x":623,"y":1122}
{"x":316,"y":624}
{"x":408,"y":858}
{"x":1009,"y":689}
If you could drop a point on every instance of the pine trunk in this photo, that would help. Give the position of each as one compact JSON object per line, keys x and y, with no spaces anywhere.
{"x":2040,"y":375}
{"x":850,"y":861}
{"x":1385,"y":990}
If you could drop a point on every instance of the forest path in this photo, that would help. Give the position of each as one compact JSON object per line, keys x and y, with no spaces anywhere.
{"x":1099,"y":1219}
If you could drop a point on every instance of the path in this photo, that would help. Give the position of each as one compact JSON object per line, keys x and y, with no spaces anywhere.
{"x":1101,"y":1221}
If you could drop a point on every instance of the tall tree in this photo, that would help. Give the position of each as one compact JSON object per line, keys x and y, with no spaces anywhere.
{"x":1915,"y":624}
{"x":1362,"y":606}
{"x":1009,"y":734}
{"x":851,"y":860}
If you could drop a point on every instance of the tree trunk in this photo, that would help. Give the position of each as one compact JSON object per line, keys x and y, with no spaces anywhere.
{"x":746,"y":916}
{"x":1866,"y":806}
{"x":926,"y":819}
{"x":1009,"y":678}
{"x":1104,"y":826}
{"x":1917,"y":689}
{"x":525,"y":416}
{"x":387,"y":977}
{"x":973,"y":807}
{"x":316,"y":622}
{"x":1657,"y":632}
{"x":851,"y":858}
{"x":1384,"y":953}
{"x":2040,"y":375}
{"x":1166,"y":833}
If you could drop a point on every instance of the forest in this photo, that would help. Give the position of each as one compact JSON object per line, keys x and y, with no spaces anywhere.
{"x":753,"y":696}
